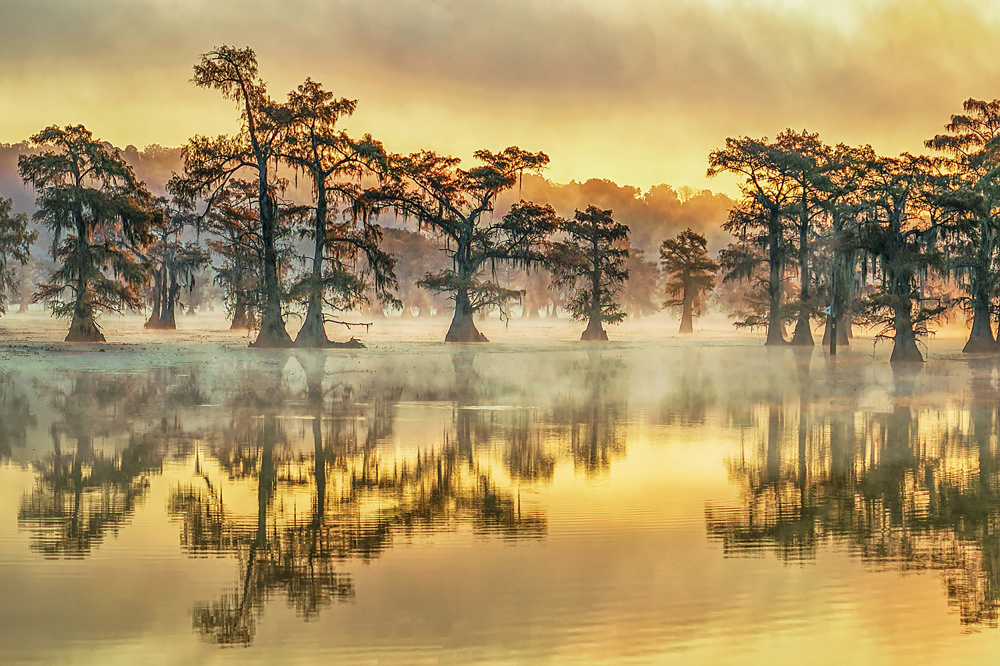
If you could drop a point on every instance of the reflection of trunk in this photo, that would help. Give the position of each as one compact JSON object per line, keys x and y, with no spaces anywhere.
{"x":773,"y":442}
{"x":841,"y":456}
{"x":803,"y":331}
{"x":154,"y":317}
{"x":463,"y":328}
{"x":266,"y":476}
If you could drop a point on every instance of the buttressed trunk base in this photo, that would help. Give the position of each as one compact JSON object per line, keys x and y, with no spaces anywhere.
{"x":904,"y":348}
{"x":83,"y":329}
{"x":463,"y":329}
{"x":595,"y":332}
{"x":981,"y":338}
{"x":272,"y":334}
{"x":313,"y":332}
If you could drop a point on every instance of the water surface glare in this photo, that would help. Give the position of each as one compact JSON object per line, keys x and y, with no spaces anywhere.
{"x":418,"y":503}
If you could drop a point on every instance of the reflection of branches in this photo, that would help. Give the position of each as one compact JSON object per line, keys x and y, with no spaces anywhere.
{"x":901,"y":494}
{"x":80,"y":497}
{"x":361,"y":502}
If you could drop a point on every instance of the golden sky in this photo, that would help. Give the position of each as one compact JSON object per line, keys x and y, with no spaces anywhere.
{"x":636,"y":91}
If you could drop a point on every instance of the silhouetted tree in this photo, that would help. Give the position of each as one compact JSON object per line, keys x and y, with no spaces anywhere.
{"x":335,"y":163}
{"x":690,"y":274}
{"x":900,"y":238}
{"x":210,"y":163}
{"x":458,"y":205}
{"x":804,"y":160}
{"x":975,"y":192}
{"x":15,"y":249}
{"x":592,"y":263}
{"x":99,"y":215}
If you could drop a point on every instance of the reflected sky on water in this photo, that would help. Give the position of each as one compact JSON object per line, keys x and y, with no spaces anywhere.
{"x":633,"y":502}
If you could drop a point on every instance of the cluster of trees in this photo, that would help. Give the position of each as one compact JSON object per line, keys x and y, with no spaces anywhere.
{"x":114,"y":242}
{"x":859,"y":237}
{"x":819,"y":232}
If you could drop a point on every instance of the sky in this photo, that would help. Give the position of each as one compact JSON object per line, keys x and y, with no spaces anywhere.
{"x":634,"y":91}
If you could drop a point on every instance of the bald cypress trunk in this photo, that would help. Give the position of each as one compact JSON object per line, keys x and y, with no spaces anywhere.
{"x":463,"y":328}
{"x":687,"y":311}
{"x":775,"y":327}
{"x":83,"y":327}
{"x":272,"y":326}
{"x":313,"y":331}
{"x":803,"y":330}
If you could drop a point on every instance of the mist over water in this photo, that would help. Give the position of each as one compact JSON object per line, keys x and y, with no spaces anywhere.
{"x":662,"y":499}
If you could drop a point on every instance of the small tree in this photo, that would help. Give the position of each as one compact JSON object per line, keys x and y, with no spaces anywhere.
{"x":592,"y":263}
{"x":690,"y":273}
{"x":235,"y":225}
{"x":174,"y":261}
{"x":458,"y":206}
{"x":89,"y":193}
{"x":971,"y":147}
{"x":15,"y":249}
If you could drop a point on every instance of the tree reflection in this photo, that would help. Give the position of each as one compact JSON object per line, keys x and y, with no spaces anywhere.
{"x":92,"y":489}
{"x":327,"y":444}
{"x":908,"y":489}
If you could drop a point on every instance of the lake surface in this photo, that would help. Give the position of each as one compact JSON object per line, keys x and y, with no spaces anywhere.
{"x":661,"y":502}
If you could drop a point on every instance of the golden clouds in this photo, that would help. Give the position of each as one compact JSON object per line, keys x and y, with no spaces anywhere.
{"x":638,"y":93}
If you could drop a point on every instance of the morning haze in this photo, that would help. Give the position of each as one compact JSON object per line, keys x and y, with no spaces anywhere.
{"x":499,"y":331}
{"x":636,"y":92}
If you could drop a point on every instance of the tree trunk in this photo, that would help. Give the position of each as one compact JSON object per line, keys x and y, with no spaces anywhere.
{"x":82,"y":327}
{"x":981,"y":338}
{"x":775,"y":334}
{"x":687,"y":308}
{"x":843,"y":329}
{"x":904,"y":348}
{"x":594,"y":332}
{"x":167,"y":318}
{"x":313,"y":331}
{"x":272,"y":327}
{"x":463,"y":328}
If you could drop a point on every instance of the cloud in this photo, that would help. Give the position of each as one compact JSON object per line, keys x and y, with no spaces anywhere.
{"x":638,"y":81}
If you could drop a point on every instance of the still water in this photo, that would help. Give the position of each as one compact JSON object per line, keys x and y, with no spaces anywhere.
{"x":418,"y":503}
